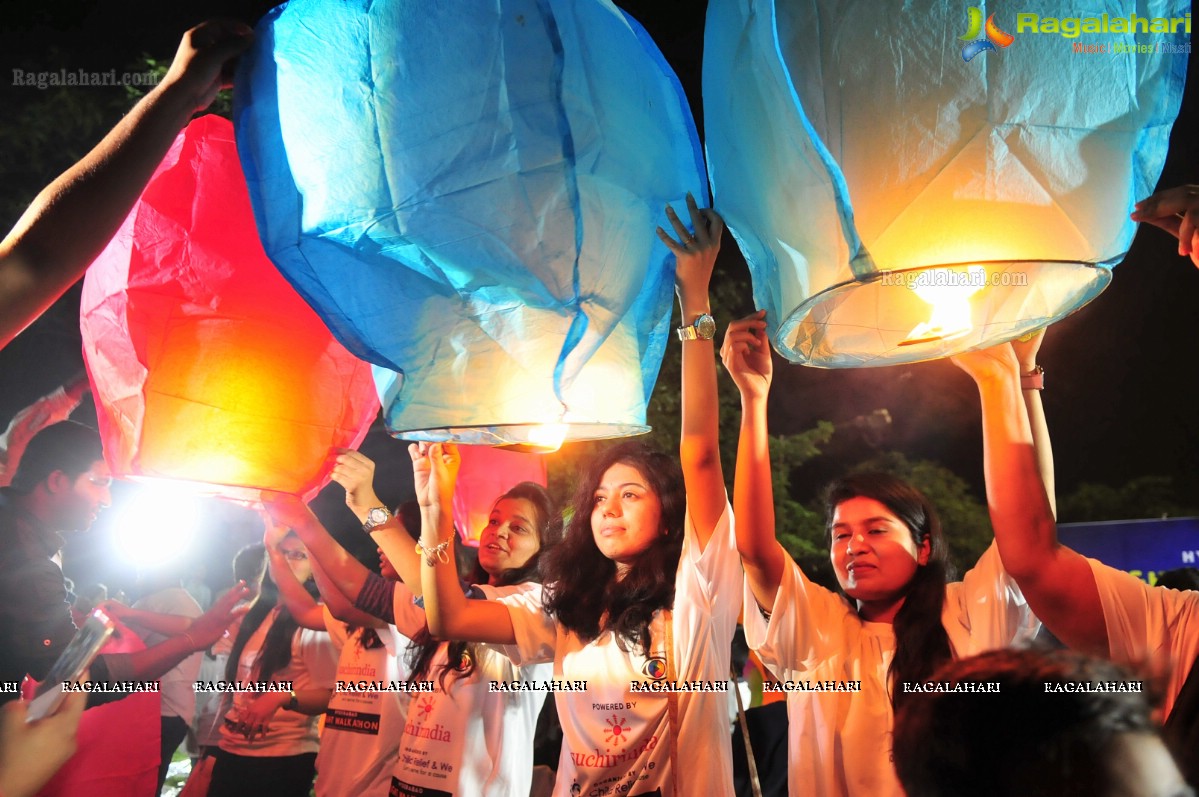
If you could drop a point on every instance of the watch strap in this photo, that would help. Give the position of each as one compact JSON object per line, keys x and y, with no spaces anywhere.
{"x":1033,"y":380}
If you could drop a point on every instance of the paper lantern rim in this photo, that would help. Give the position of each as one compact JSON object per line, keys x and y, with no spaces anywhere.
{"x":515,"y":436}
{"x":235,"y":493}
{"x":1098,"y":275}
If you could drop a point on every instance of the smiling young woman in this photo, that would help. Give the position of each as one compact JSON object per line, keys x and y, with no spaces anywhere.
{"x":899,"y":616}
{"x":643,"y":589}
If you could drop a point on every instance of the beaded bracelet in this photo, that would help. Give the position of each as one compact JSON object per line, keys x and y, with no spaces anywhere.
{"x":435,"y":554}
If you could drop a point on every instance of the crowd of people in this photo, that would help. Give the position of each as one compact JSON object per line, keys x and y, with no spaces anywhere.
{"x":622,"y":606}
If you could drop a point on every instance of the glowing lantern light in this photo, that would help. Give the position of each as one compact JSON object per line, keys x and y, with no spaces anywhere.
{"x":856,"y":149}
{"x":948,"y":292}
{"x":467,"y":194}
{"x":484,"y":475}
{"x":206,"y":366}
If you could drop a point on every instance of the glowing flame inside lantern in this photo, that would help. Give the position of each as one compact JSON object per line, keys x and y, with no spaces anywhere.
{"x":544,"y":438}
{"x":948,"y":291}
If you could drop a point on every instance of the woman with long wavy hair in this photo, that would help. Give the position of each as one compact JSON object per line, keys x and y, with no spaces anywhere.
{"x":849,"y":660}
{"x":642,"y":595}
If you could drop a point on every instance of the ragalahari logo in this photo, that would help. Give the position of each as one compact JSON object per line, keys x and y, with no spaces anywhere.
{"x":979,"y":37}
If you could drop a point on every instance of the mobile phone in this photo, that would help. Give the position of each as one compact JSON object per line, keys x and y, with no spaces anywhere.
{"x":75,"y":658}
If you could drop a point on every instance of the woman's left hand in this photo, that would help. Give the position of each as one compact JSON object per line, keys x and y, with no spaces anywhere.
{"x":254,"y":721}
{"x":695,"y":251}
{"x":985,"y":365}
{"x":1026,"y":349}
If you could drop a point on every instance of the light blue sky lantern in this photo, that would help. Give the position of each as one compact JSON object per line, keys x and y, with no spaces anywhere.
{"x":909,"y":180}
{"x":467,"y":194}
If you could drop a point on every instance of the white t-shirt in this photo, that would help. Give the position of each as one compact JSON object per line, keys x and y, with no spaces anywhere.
{"x":1151,"y":626}
{"x":211,"y":706}
{"x":617,"y":741}
{"x":470,"y":741}
{"x":839,"y":742}
{"x":313,"y":665}
{"x":178,"y":685}
{"x":364,"y":721}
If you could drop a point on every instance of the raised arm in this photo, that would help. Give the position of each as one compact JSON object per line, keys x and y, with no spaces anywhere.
{"x":355,"y":471}
{"x":1031,"y":384}
{"x":746,"y":355}
{"x":303,"y":608}
{"x":73,"y":218}
{"x":1056,"y":580}
{"x":341,"y":605}
{"x":449,"y":613}
{"x":699,"y":442}
{"x":344,"y":574}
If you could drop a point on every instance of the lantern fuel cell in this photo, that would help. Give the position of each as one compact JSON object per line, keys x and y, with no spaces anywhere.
{"x":862,"y":151}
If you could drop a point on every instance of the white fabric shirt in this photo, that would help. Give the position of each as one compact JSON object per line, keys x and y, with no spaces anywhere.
{"x":313,"y":665}
{"x":362,"y":726}
{"x":177,"y":685}
{"x":617,"y":741}
{"x":211,"y":706}
{"x":1151,"y":626}
{"x":839,"y":742}
{"x":469,"y":741}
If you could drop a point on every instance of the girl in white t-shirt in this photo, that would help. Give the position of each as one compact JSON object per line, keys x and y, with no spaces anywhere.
{"x":460,"y":736}
{"x":366,"y":714}
{"x":642,"y":595}
{"x":847,"y":662}
{"x":269,"y":737}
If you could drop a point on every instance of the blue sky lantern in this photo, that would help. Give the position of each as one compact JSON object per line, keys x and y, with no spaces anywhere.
{"x":911,"y":180}
{"x":467,"y":194}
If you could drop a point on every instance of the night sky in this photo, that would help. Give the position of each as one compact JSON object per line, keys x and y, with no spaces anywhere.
{"x":1122,"y":374}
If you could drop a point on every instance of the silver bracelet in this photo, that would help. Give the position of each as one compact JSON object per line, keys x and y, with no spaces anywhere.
{"x":438,"y":553}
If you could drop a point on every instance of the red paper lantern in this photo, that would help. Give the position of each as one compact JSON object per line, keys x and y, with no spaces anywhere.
{"x":206,"y":365}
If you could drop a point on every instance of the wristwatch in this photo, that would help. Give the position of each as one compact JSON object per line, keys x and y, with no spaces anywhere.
{"x":375,"y":517}
{"x":1033,"y":380}
{"x":702,"y":328}
{"x":293,"y":701}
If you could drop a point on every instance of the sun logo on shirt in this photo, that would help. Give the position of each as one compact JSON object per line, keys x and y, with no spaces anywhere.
{"x":617,"y":730}
{"x":426,"y":707}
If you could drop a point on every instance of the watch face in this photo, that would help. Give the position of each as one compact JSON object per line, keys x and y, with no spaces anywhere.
{"x":705,"y":325}
{"x":377,"y":516}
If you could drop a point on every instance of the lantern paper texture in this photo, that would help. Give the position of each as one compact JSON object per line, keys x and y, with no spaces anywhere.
{"x":206,"y":365}
{"x":858,"y":156}
{"x":483,"y":476}
{"x":467,"y":193}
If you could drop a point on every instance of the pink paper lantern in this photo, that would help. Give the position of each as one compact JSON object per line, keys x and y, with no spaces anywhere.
{"x":207,"y":367}
{"x":486,"y":474}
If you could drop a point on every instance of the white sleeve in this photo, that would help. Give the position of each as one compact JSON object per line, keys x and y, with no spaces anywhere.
{"x":988,"y":609}
{"x":707,"y":596}
{"x":536,"y":632}
{"x":409,"y":619}
{"x":338,"y":631}
{"x":319,"y":657}
{"x":1148,"y":624}
{"x":807,"y":625}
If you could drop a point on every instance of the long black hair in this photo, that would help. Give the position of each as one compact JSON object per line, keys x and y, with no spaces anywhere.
{"x":582,"y":587}
{"x":460,"y":656}
{"x":276,"y":647}
{"x":921,"y":643}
